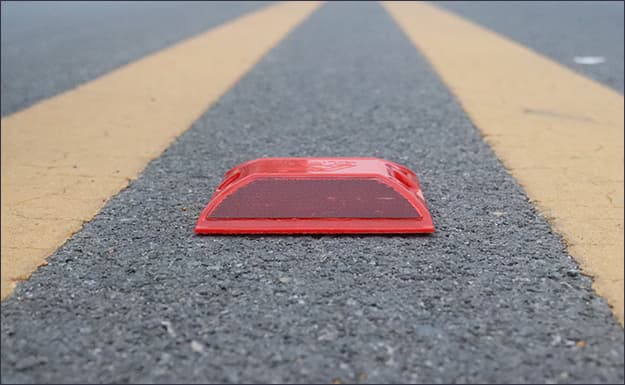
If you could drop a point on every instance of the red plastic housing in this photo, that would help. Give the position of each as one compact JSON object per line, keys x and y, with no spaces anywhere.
{"x":317,"y":195}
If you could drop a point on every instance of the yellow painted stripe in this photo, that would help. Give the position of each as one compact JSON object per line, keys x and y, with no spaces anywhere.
{"x":63,"y":158}
{"x":559,"y":133}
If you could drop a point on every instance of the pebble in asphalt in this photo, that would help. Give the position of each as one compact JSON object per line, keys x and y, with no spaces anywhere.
{"x":491,"y":297}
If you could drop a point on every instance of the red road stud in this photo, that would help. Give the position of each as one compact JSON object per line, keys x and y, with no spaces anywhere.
{"x":317,"y":195}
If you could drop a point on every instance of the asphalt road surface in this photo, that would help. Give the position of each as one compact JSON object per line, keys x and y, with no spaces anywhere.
{"x":560,"y":30}
{"x":492,"y":296}
{"x":50,"y":47}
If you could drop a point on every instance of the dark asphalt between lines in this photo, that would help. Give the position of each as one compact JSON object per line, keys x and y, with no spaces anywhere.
{"x":491,"y":297}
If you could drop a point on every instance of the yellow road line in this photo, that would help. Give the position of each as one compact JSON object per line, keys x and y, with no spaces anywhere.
{"x":559,"y":133}
{"x":63,"y":158}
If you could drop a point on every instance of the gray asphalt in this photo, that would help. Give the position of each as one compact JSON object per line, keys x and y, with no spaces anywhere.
{"x":560,"y":30}
{"x":51,"y":47}
{"x":491,"y":297}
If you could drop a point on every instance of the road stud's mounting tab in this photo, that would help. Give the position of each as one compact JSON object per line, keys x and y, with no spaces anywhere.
{"x":317,"y":195}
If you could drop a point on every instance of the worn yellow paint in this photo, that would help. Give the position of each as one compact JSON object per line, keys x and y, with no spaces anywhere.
{"x":559,"y":133}
{"x":64,"y":157}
